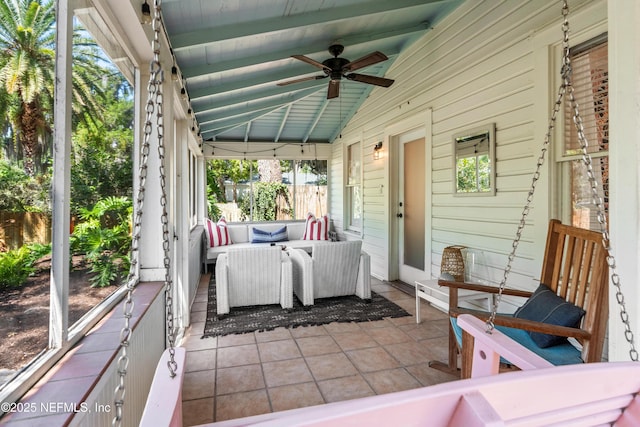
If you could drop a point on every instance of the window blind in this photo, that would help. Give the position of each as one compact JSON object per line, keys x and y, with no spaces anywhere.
{"x":591,"y":91}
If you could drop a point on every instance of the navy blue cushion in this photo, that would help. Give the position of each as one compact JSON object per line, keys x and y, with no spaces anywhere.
{"x":563,"y":354}
{"x":262,"y":236}
{"x":547,"y":307}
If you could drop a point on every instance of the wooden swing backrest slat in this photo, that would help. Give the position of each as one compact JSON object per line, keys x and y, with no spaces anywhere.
{"x":575,"y":268}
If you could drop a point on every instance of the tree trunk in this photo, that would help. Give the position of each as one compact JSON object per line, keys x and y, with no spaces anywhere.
{"x":270,"y":170}
{"x":30,"y":121}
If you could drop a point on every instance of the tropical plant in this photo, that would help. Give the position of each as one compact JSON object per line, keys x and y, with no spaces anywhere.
{"x":16,"y":265}
{"x":102,"y":160}
{"x":27,"y":75}
{"x":103,"y":237}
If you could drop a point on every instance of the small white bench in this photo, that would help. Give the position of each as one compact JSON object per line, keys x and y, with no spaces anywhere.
{"x":438,"y":296}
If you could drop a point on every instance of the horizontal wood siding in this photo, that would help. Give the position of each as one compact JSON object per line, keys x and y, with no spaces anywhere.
{"x":478,"y":66}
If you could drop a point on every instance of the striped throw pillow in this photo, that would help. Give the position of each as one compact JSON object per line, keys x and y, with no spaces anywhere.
{"x":316,"y":229}
{"x":262,"y":236}
{"x":217,"y":233}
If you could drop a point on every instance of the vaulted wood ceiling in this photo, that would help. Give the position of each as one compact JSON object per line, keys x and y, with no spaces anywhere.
{"x":231,"y":55}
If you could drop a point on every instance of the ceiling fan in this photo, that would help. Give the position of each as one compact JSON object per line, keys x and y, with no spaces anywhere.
{"x":337,"y":68}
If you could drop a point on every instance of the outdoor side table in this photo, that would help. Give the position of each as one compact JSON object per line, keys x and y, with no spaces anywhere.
{"x":438,"y":296}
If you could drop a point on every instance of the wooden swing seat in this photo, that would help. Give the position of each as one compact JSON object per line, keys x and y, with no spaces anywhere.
{"x":575,"y":268}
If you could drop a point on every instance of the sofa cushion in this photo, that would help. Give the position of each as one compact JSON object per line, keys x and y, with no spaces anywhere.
{"x":212,"y":253}
{"x":259,"y":235}
{"x":316,"y":229}
{"x":217,"y":233}
{"x":238,"y":233}
{"x":295,"y":230}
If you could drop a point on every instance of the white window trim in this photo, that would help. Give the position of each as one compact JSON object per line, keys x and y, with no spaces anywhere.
{"x":562,"y":162}
{"x":348,"y":227}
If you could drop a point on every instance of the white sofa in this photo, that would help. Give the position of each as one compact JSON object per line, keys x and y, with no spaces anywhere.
{"x":241,"y":235}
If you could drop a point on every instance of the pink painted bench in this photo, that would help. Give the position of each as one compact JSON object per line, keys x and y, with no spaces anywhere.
{"x":585,"y":394}
{"x":164,"y":401}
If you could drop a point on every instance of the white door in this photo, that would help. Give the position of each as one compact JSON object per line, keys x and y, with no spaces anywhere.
{"x":411,"y":208}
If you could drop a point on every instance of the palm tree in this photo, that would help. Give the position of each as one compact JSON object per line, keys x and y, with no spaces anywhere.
{"x":27,"y":64}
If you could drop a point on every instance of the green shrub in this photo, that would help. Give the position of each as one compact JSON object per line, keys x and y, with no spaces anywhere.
{"x":14,"y":267}
{"x":17,"y":265}
{"x":103,"y":238}
{"x":268,"y":201}
{"x":214,"y":211}
{"x":22,"y":193}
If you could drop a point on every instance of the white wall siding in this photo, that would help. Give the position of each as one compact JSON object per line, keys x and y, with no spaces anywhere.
{"x":145,"y":348}
{"x":478,"y":66}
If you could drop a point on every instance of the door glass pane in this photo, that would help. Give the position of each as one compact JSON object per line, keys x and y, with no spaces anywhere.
{"x":414,"y":213}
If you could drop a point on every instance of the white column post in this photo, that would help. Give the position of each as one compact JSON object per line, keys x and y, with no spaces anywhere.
{"x":624,"y":132}
{"x":201,"y":189}
{"x":183,"y":224}
{"x":59,"y":313}
{"x":151,"y":253}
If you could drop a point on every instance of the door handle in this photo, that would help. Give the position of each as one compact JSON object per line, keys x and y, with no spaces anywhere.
{"x":399,"y":215}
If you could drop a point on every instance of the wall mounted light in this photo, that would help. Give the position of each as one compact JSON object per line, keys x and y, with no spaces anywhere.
{"x":145,"y":18}
{"x":183,"y":93}
{"x":376,"y":150}
{"x":174,"y":73}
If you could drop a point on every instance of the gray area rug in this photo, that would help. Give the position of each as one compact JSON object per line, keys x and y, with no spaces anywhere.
{"x":325,"y":310}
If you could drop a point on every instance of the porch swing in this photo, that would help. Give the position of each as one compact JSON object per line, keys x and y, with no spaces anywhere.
{"x":539,"y":394}
{"x":572,"y":298}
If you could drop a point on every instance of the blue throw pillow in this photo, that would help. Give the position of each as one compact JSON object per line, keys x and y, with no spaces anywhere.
{"x":262,"y":236}
{"x":547,"y":307}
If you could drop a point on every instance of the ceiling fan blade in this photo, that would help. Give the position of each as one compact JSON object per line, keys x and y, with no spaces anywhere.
{"x":303,"y":79}
{"x":311,"y":61}
{"x":365,"y":61}
{"x":372,"y":80}
{"x":334,"y":89}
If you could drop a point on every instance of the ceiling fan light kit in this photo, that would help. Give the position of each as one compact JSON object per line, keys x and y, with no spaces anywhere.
{"x":336,"y":68}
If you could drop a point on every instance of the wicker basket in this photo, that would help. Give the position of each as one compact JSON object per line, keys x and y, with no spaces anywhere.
{"x":453,"y":262}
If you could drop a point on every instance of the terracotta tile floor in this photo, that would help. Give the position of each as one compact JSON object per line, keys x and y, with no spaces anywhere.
{"x":241,"y":375}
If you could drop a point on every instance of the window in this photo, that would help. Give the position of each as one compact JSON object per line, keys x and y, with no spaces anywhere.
{"x":193,"y":184}
{"x":474,"y":161}
{"x":591,"y":90}
{"x":98,"y":199}
{"x":268,"y":189}
{"x":353,"y":188}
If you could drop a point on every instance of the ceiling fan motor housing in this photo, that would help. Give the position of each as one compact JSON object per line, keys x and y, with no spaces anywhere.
{"x":335,"y":67}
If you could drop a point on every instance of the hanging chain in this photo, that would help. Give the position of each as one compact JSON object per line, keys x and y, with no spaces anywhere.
{"x":602,"y":219}
{"x":154,"y":97}
{"x":166,"y":236}
{"x":566,"y":87}
{"x":536,"y":175}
